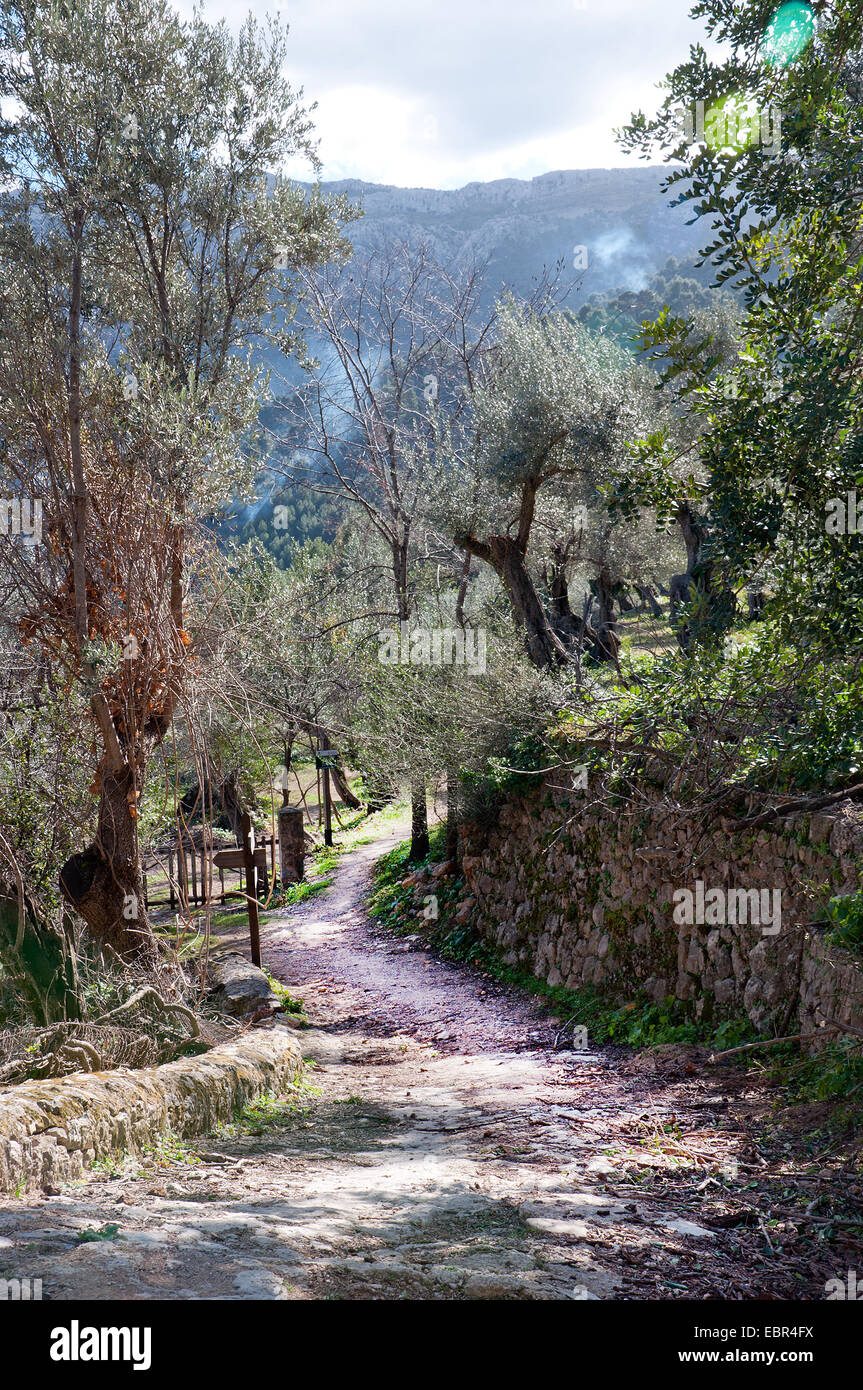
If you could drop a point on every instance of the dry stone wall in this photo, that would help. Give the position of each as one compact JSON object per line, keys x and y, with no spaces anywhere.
{"x":51,"y":1131}
{"x":587,"y":892}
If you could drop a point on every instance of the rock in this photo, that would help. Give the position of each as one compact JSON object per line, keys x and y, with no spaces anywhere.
{"x":694,"y":960}
{"x":601,"y":1165}
{"x":238,"y":987}
{"x":469,"y":865}
{"x":494,"y":1286}
{"x":686,"y":1228}
{"x":656,"y":987}
{"x":846,"y":835}
{"x":259,"y":1283}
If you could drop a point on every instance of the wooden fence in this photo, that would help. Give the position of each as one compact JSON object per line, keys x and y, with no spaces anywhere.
{"x":194,"y":877}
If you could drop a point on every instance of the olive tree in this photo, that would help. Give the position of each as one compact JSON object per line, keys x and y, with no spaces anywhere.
{"x":545,"y":424}
{"x":144,"y":249}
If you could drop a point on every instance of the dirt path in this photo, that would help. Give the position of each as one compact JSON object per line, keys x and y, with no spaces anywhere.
{"x":450,"y":1153}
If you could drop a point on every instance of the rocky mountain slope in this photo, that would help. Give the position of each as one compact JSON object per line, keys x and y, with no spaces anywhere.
{"x":620,"y":218}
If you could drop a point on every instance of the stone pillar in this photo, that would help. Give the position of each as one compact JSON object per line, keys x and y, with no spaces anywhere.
{"x":292,"y":843}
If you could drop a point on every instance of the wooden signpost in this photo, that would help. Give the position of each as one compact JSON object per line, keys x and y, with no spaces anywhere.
{"x":324,"y":759}
{"x":236,"y":858}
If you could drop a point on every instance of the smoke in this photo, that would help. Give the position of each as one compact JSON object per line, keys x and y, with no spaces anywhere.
{"x":625,"y":259}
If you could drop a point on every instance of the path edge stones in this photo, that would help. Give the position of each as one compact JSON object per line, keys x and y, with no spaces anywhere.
{"x":51,"y":1132}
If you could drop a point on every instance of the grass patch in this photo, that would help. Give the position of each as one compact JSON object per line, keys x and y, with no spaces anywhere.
{"x":285,"y":998}
{"x":298,"y":892}
{"x":110,"y":1165}
{"x":179,"y":938}
{"x":269,"y":1112}
{"x":169,"y":1150}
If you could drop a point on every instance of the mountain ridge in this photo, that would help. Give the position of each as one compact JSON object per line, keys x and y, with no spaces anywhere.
{"x":619,"y":216}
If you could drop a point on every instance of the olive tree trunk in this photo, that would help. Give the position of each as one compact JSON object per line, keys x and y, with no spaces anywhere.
{"x":419,"y":821}
{"x":104,"y":882}
{"x":506,"y":555}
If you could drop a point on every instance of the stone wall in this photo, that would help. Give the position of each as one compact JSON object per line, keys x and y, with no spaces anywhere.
{"x":51,"y":1131}
{"x":580,"y":891}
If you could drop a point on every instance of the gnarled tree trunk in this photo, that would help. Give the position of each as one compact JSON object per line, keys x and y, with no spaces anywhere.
{"x":419,"y":821}
{"x":607,"y":643}
{"x":104,"y":882}
{"x":564,"y":622}
{"x":699,"y":577}
{"x":647,"y":594}
{"x":506,"y":555}
{"x":683,"y":586}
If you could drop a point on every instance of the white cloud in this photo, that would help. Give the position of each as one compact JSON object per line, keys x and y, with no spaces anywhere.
{"x":438,"y":93}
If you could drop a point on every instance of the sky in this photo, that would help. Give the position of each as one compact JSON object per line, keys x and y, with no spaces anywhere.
{"x":439,"y":93}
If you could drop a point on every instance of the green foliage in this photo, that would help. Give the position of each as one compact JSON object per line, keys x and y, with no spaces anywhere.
{"x":677,"y":289}
{"x":486,"y":789}
{"x":643,"y":1022}
{"x":552,"y":412}
{"x":774,"y":717}
{"x":784,"y":225}
{"x":169,"y":1150}
{"x":834,"y":1073}
{"x":284,"y":996}
{"x":285,"y":518}
{"x":110,"y":1231}
{"x":845,"y":915}
{"x":299,"y":892}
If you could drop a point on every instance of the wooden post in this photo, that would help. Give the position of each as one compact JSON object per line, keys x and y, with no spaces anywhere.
{"x":323,"y":762}
{"x":183,"y":873}
{"x":251,"y":899}
{"x":171,"y":877}
{"x":328,"y":809}
{"x":194,"y":864}
{"x":222,"y":882}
